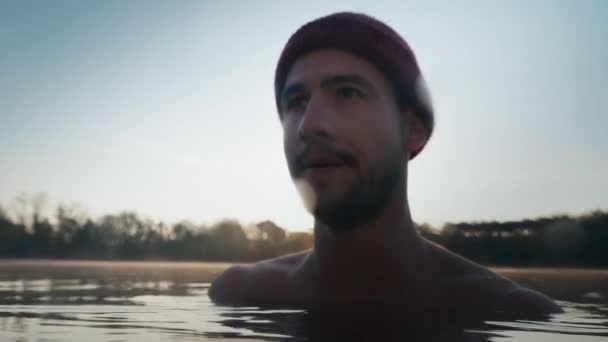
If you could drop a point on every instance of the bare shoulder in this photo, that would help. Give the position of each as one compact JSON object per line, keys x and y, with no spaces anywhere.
{"x":523,"y":300}
{"x":474,"y":285}
{"x":454,"y":267}
{"x":251,"y":283}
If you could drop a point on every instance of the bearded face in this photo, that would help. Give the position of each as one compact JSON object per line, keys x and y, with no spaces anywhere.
{"x":343,"y":137}
{"x":360,"y":197}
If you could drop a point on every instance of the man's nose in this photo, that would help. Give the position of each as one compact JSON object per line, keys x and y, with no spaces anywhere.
{"x":316,"y":120}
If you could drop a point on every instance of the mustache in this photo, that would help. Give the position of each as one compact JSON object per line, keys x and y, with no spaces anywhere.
{"x":324,"y":149}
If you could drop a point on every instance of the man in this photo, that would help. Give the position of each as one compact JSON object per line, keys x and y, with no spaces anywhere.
{"x":354,"y":111}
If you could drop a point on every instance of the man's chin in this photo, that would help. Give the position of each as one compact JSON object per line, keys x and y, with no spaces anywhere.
{"x":339,"y":213}
{"x":346,"y":212}
{"x":336,"y":219}
{"x":315,"y":196}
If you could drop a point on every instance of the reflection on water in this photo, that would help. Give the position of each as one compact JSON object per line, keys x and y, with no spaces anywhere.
{"x":152,"y":309}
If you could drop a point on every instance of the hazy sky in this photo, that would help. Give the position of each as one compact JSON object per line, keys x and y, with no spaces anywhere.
{"x":167,"y":108}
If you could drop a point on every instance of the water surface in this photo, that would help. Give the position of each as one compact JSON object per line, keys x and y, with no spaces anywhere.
{"x":164,"y":301}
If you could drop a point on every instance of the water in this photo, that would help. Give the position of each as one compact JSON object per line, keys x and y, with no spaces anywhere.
{"x":149,"y":301}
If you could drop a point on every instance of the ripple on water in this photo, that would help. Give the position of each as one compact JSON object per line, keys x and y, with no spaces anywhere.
{"x":92,"y":311}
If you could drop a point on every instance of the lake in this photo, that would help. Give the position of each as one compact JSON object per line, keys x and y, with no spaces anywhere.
{"x":98,"y":301}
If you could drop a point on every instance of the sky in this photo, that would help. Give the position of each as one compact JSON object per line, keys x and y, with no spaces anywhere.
{"x":166,"y":108}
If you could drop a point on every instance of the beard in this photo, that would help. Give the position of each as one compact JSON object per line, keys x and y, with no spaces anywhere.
{"x":361,"y":200}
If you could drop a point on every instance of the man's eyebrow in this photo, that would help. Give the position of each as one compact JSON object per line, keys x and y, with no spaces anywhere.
{"x":333,"y":80}
{"x":292,"y":88}
{"x":327,"y":82}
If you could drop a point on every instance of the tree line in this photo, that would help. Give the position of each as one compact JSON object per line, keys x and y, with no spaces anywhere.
{"x":25,"y":232}
{"x":559,"y":240}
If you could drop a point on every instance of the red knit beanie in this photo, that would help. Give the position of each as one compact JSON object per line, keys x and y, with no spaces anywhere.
{"x":371,"y":40}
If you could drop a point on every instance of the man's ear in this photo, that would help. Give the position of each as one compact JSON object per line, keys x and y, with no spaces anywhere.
{"x":416,"y":133}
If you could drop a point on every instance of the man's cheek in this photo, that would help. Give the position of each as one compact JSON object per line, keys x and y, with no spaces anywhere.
{"x":290,"y":156}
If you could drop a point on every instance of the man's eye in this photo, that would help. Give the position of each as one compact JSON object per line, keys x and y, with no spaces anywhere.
{"x":297,"y":103}
{"x":348,"y":93}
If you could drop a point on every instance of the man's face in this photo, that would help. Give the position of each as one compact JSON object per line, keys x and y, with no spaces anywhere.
{"x":343,"y":137}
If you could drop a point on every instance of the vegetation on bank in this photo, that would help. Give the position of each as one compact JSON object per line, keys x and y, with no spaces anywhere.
{"x":26,"y":233}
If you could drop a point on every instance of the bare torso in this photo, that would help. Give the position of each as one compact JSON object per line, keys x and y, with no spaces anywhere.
{"x":445,"y":283}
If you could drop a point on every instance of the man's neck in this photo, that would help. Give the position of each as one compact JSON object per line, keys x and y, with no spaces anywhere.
{"x":384,"y":252}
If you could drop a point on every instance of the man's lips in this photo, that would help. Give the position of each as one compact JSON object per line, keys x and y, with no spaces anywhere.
{"x":320,"y":168}
{"x":315,"y":164}
{"x":321,"y":159}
